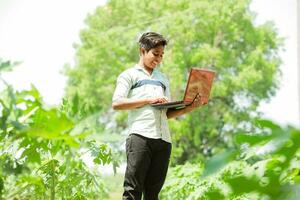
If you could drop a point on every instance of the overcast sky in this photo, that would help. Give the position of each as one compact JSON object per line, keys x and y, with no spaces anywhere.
{"x":40,"y":33}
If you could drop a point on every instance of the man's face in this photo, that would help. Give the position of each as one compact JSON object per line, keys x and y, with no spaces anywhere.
{"x":153,"y":57}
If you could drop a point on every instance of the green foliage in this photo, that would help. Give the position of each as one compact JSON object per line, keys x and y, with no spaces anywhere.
{"x":7,"y":65}
{"x":181,"y":181}
{"x":267,"y":168}
{"x":42,"y":150}
{"x":219,"y":35}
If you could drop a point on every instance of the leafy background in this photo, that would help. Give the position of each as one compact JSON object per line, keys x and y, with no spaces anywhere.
{"x":221,"y":151}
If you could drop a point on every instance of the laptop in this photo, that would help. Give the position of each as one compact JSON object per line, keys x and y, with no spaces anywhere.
{"x":199,"y":84}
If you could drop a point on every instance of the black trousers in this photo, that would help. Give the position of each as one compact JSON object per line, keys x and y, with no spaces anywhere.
{"x":147,"y":166}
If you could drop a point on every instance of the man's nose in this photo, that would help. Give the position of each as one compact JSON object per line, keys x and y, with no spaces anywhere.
{"x":158,"y":59}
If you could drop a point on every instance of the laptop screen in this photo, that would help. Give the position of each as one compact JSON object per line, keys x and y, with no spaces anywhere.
{"x":199,"y":82}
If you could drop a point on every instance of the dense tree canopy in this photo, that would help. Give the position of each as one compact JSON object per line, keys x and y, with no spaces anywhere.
{"x":215,"y":34}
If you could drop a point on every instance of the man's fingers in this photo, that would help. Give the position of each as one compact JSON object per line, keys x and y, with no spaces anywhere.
{"x":199,"y":102}
{"x":164,"y":100}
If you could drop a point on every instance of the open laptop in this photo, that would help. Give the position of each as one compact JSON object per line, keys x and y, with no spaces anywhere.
{"x":199,"y":84}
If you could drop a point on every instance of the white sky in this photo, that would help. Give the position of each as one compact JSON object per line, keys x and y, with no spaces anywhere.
{"x":283,"y":108}
{"x":40,"y":33}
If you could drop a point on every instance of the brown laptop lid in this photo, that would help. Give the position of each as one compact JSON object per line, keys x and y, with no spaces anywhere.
{"x":200,"y":81}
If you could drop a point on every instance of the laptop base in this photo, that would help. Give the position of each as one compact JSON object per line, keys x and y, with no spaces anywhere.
{"x":175,"y":105}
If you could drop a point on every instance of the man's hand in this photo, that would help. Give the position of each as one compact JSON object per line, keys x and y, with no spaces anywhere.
{"x":154,"y":100}
{"x":199,"y":101}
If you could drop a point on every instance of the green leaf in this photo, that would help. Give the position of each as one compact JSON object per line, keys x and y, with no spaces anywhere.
{"x":50,"y":124}
{"x":32,"y":155}
{"x":268,"y":124}
{"x":218,"y":161}
{"x":252,"y":139}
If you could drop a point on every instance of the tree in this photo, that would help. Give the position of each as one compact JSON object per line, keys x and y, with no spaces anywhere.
{"x":219,"y":35}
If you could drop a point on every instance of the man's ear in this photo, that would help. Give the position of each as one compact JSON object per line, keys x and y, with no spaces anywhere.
{"x":142,"y":51}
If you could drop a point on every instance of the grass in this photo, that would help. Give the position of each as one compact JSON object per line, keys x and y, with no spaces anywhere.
{"x":114,"y":183}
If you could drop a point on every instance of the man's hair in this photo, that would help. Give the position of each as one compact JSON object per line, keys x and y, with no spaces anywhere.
{"x":150,"y":40}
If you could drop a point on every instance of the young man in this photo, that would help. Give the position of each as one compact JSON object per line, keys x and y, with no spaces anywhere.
{"x":148,"y":146}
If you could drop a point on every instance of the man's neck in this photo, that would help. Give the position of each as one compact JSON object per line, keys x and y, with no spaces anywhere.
{"x":148,"y":69}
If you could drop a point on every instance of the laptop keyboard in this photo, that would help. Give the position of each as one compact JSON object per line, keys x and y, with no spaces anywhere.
{"x":170,"y":103}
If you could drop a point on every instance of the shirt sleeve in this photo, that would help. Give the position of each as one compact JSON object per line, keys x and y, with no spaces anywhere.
{"x":123,"y":86}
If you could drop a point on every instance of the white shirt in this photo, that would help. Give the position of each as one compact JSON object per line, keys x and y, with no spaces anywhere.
{"x":137,"y":83}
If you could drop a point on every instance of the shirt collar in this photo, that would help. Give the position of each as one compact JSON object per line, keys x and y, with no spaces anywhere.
{"x":137,"y":66}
